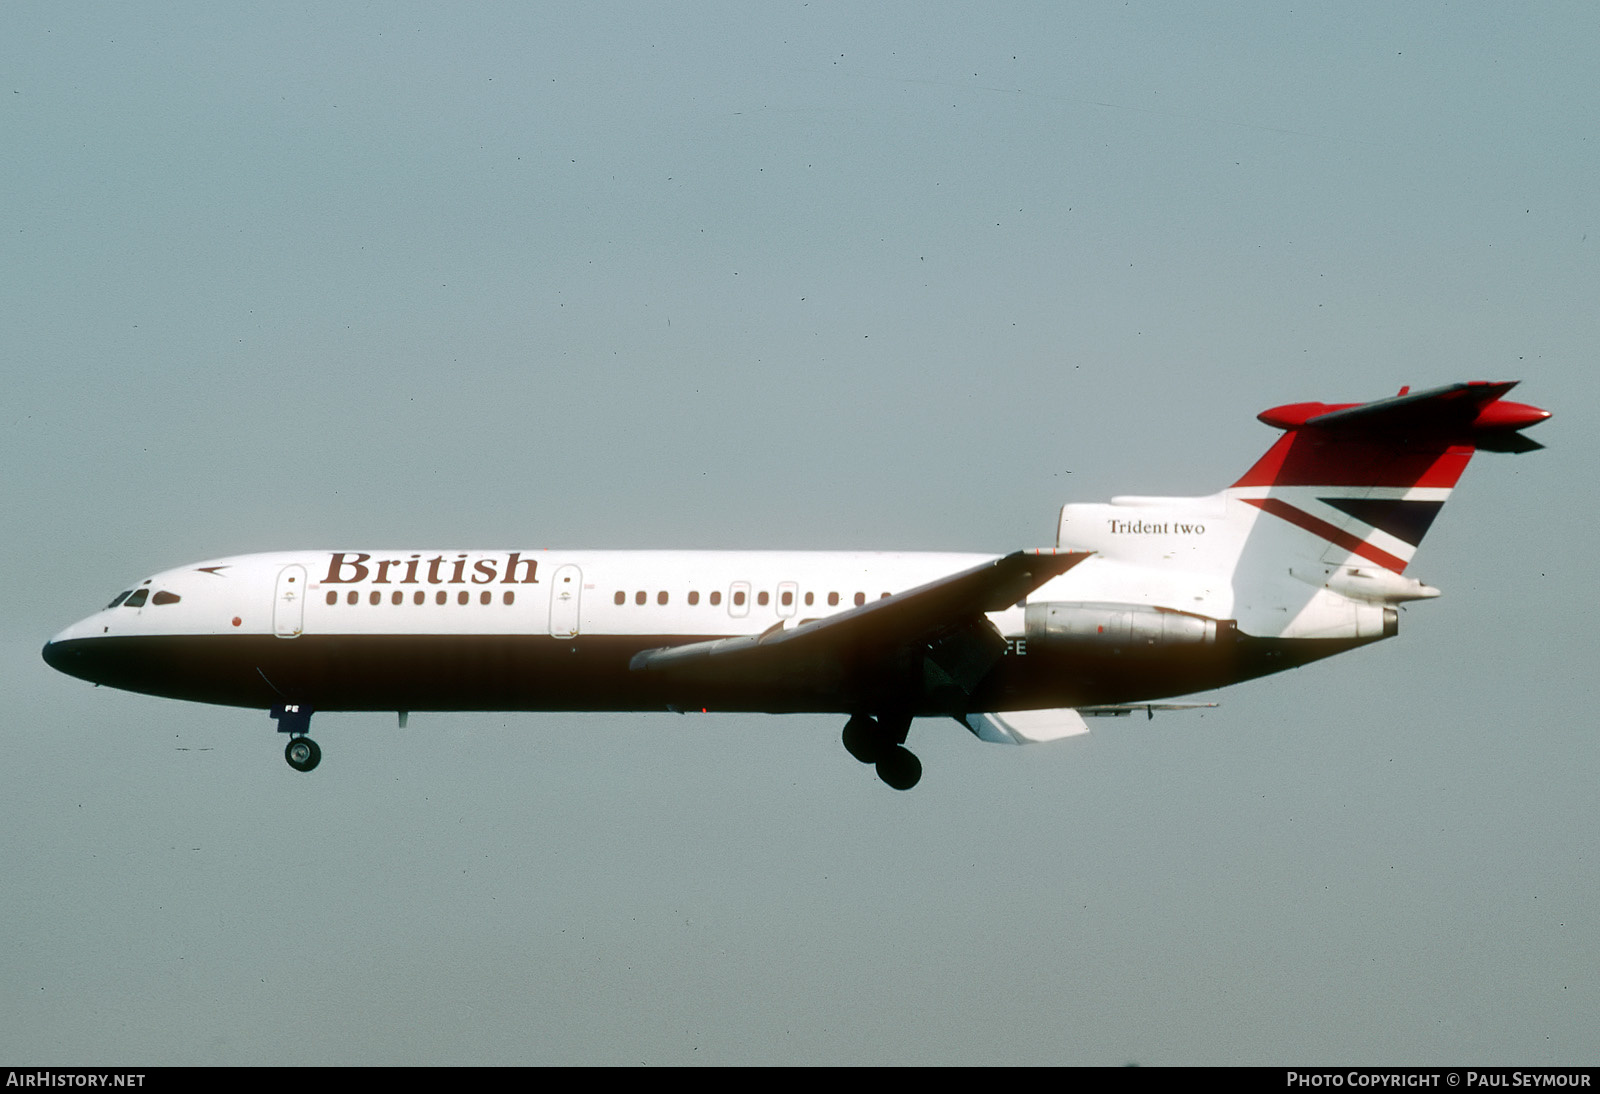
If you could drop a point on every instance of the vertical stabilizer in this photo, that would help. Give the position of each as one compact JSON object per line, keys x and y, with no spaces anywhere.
{"x":1363,"y":482}
{"x":1314,"y":539}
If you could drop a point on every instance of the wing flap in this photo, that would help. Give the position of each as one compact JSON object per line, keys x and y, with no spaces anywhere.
{"x":1122,"y":710}
{"x":1028,"y":727}
{"x":1024,"y":727}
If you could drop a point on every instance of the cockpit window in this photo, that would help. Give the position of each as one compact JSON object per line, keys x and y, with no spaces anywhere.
{"x":137,"y":599}
{"x":164,"y":597}
{"x":123,"y":595}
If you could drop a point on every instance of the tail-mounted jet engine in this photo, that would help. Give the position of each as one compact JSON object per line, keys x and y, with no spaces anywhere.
{"x":1119,"y":628}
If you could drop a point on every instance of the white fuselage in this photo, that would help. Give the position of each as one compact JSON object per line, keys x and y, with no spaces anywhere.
{"x":562,"y":594}
{"x":557,"y":630}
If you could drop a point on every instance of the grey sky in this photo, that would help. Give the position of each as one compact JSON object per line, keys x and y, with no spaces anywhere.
{"x":809,"y":275}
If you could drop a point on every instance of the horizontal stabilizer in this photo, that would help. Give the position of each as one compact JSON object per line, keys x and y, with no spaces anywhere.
{"x":1510,"y":441}
{"x":1471,"y":411}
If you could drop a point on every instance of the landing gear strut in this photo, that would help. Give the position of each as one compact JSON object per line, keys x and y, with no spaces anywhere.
{"x":302,"y":753}
{"x":881,"y":741}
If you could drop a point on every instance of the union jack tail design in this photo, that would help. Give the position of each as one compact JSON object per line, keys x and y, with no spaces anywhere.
{"x":1314,"y":539}
{"x":1366,"y":480}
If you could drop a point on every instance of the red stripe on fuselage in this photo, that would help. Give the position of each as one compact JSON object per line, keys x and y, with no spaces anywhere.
{"x":1317,"y":457}
{"x":1333,"y":534}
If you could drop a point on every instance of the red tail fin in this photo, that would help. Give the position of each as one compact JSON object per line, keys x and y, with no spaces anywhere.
{"x":1369,"y":478}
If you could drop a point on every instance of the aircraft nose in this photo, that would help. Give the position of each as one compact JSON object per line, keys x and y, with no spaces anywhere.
{"x":58,"y":655}
{"x":65,"y":652}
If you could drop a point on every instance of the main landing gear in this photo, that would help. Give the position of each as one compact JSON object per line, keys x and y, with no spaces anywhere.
{"x":881,"y":741}
{"x":302,"y":753}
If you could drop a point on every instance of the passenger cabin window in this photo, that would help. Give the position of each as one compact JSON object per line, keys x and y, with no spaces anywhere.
{"x":694,"y":598}
{"x":715,"y":598}
{"x":620,"y":597}
{"x":137,"y":599}
{"x":787,"y":595}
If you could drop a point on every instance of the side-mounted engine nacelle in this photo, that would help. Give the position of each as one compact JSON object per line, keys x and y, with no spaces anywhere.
{"x":1120,"y":628}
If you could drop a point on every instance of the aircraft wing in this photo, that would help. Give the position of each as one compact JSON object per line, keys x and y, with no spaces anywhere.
{"x":1122,"y":710}
{"x":1026,"y":727}
{"x":878,"y":629}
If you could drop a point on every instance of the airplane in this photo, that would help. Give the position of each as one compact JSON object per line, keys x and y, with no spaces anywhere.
{"x":1139,"y":599}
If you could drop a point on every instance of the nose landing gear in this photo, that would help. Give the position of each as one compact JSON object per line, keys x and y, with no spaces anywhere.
{"x":881,"y":741}
{"x":302,"y":753}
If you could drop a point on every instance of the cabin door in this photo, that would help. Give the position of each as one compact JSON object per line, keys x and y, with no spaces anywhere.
{"x":566,"y":590}
{"x":289,"y":602}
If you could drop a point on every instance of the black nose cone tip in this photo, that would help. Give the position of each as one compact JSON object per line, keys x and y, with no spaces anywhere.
{"x":59,"y":656}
